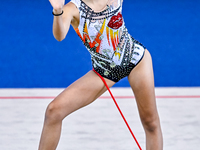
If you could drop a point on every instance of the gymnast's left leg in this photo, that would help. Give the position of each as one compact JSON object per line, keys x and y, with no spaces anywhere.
{"x":142,"y":83}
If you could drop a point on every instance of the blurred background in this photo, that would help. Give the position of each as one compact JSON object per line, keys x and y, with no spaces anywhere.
{"x":30,"y":57}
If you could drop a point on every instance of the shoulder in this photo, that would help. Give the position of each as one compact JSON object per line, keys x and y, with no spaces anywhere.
{"x":70,"y":7}
{"x":77,"y":3}
{"x":71,"y":11}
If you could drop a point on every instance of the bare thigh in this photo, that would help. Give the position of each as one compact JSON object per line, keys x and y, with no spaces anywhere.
{"x":79,"y":94}
{"x":141,"y":80}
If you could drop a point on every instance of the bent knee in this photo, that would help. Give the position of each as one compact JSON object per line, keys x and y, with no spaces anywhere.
{"x":53,"y":113}
{"x":150,"y":123}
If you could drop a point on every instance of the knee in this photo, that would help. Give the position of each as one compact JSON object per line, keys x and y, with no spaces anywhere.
{"x":151,"y":124}
{"x":53,"y":113}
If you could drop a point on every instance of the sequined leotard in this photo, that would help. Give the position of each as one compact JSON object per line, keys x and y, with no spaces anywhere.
{"x":114,"y":52}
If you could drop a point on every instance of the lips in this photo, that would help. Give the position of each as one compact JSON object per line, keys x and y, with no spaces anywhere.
{"x":116,"y":21}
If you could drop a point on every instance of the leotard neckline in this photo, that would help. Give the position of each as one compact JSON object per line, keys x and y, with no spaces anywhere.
{"x":100,"y":11}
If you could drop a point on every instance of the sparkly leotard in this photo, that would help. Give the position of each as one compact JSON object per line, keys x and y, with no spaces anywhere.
{"x":114,"y":52}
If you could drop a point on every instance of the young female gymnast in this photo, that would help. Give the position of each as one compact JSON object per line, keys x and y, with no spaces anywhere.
{"x":115,"y":54}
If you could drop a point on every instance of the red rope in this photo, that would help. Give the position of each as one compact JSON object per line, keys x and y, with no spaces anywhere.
{"x":118,"y":109}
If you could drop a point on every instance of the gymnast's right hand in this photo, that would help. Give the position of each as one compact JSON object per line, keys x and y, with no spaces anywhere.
{"x":57,"y":5}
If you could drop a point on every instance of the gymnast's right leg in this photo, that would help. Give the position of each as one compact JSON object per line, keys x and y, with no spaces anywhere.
{"x":79,"y":94}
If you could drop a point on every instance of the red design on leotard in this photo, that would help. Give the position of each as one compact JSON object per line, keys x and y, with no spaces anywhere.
{"x":86,"y":38}
{"x":116,"y":21}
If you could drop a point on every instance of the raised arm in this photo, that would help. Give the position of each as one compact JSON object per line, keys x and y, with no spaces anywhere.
{"x":63,"y":16}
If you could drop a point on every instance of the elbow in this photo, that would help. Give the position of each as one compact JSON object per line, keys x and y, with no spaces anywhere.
{"x":59,"y":38}
{"x":59,"y":35}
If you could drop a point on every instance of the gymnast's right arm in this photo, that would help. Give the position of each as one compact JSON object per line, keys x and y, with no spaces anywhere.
{"x":61,"y":23}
